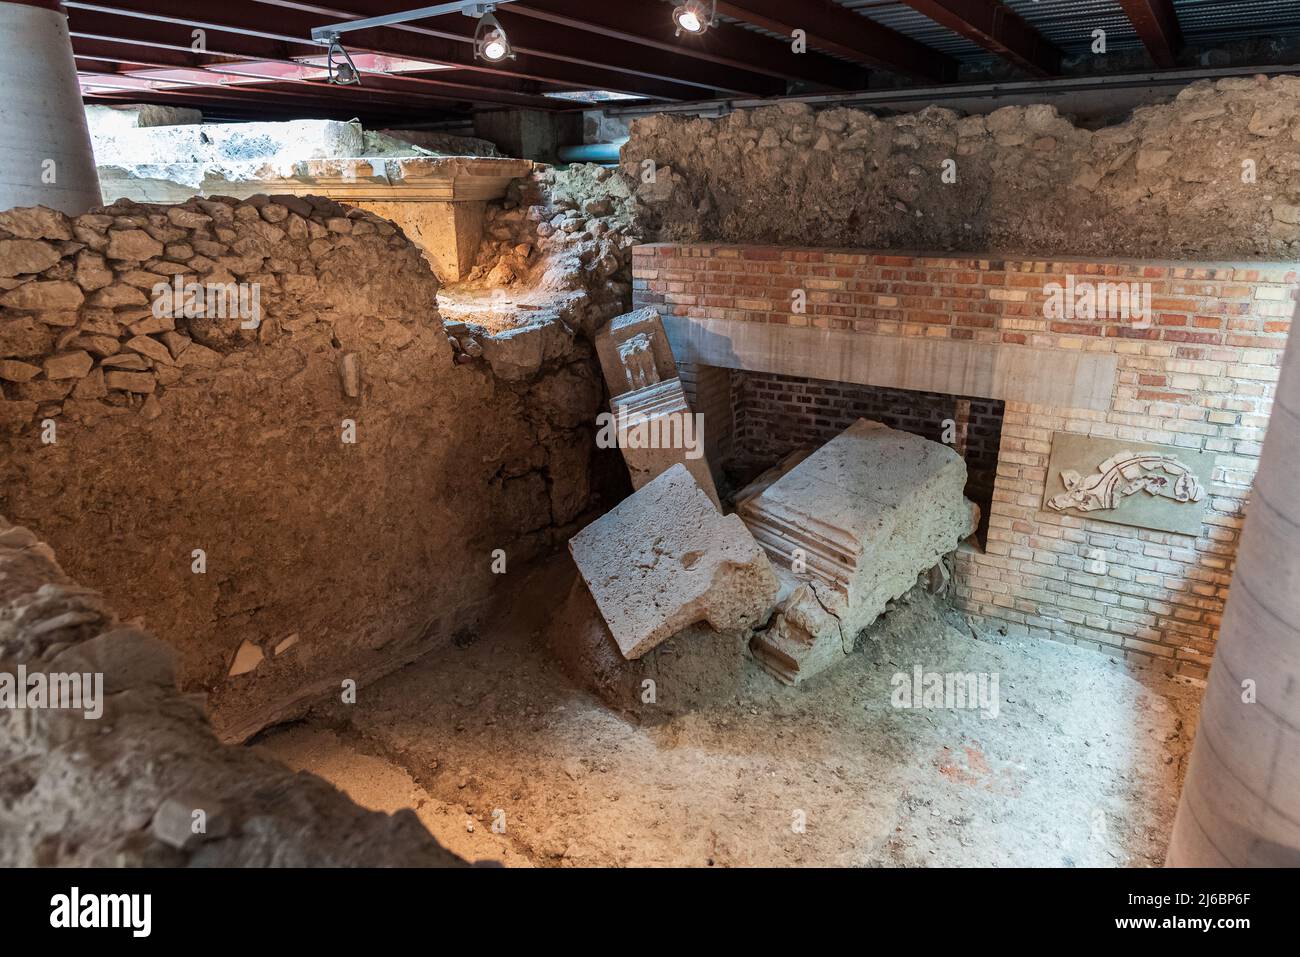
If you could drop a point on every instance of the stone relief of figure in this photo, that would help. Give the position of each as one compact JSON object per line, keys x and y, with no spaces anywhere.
{"x":638,"y":358}
{"x":1127,"y":473}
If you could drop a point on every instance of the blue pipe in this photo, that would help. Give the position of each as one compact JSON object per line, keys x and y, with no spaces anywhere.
{"x":592,"y":152}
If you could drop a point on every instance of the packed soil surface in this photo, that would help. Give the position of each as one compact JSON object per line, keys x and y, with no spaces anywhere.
{"x":1081,"y":766}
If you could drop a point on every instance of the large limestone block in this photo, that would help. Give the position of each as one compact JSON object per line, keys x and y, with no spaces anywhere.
{"x":520,"y":353}
{"x":656,"y":430}
{"x":225,"y":143}
{"x":765,"y":481}
{"x":664,"y":559}
{"x":634,"y":352}
{"x":858,"y":520}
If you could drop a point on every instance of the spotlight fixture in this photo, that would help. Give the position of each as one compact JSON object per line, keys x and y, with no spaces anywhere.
{"x":694,"y":16}
{"x":490,"y":40}
{"x":342,"y":73}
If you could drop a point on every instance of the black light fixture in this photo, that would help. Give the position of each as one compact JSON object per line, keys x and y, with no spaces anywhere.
{"x":490,"y":40}
{"x":342,"y":73}
{"x":694,"y":16}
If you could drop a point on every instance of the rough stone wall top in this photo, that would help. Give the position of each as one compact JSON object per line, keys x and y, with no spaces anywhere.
{"x":1211,"y":175}
{"x":96,"y":312}
{"x":562,"y":234}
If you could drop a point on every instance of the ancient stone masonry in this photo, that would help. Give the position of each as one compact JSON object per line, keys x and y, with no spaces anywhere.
{"x":1211,"y":175}
{"x":665,"y":558}
{"x":668,"y":590}
{"x":655,"y":425}
{"x":564,"y":237}
{"x":850,"y":527}
{"x":368,"y":462}
{"x":131,"y":774}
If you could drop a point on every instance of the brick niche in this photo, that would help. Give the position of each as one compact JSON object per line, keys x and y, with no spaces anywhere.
{"x":1200,"y":376}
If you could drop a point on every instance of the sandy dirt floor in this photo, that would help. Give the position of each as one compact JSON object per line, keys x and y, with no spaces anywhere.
{"x":504,"y":759}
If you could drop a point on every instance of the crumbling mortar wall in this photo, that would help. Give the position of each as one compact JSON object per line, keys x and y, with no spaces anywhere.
{"x":121,"y":790}
{"x":179,"y":434}
{"x":1167,"y":182}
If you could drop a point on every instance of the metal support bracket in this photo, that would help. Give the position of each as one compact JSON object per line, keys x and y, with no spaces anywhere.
{"x":471,"y":8}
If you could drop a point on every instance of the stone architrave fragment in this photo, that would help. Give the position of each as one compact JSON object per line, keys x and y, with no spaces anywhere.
{"x":657,"y":429}
{"x":851,"y":527}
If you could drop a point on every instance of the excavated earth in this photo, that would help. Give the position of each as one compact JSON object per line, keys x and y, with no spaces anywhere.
{"x":493,"y":733}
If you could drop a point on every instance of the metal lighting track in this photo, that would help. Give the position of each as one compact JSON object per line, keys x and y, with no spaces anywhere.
{"x":471,"y":8}
{"x":902,"y":95}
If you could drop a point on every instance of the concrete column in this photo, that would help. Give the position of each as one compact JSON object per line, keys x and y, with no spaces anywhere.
{"x":529,"y":134}
{"x":45,"y":153}
{"x":1240,"y":805}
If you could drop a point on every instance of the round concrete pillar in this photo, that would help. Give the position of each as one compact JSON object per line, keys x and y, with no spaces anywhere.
{"x":1240,"y":805}
{"x":45,"y":153}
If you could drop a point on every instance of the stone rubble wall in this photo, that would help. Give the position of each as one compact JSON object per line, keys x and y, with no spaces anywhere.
{"x":564,"y":233}
{"x":445,"y":144}
{"x":1167,"y":182}
{"x":121,"y":790}
{"x":175,"y":435}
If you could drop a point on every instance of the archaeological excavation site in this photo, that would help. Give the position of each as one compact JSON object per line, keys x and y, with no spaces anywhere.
{"x":842,"y":434}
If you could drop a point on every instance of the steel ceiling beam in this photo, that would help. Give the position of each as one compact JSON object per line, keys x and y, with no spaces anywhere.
{"x":181,"y":55}
{"x":997,"y":28}
{"x":650,"y":24}
{"x":135,"y":26}
{"x":548,"y":42}
{"x":838,"y":30}
{"x":265,"y":87}
{"x":251,"y":95}
{"x":470,"y":7}
{"x":291,"y":23}
{"x":1156,"y":23}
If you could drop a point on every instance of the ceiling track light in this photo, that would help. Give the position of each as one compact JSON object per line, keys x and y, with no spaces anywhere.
{"x":695,"y":16}
{"x":490,"y":40}
{"x":343,"y":73}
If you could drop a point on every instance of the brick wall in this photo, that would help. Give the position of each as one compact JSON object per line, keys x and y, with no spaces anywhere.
{"x":1200,"y":376}
{"x":775,"y":413}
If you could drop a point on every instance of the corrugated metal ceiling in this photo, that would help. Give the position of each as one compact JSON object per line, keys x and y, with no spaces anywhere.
{"x":1070,"y":23}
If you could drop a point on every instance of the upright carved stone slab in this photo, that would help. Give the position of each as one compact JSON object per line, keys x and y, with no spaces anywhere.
{"x":634,"y":352}
{"x":657,"y":428}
